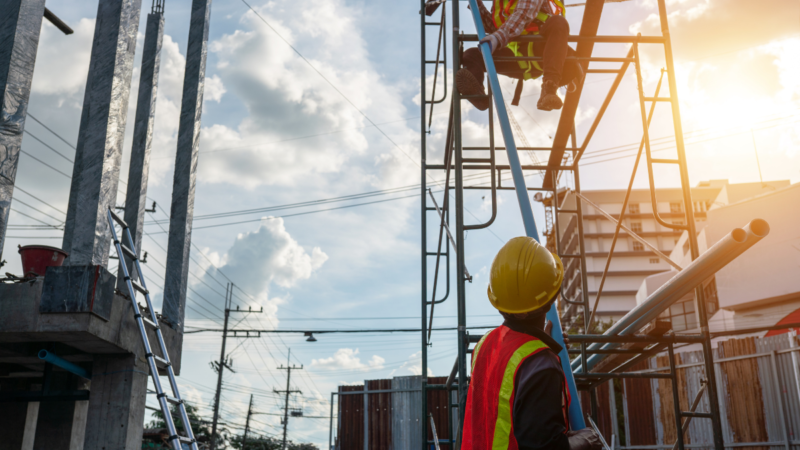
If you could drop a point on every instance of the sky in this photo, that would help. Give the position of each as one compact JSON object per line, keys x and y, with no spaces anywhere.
{"x":309,"y":101}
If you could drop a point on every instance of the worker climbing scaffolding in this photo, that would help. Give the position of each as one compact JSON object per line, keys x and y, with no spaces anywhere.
{"x":508,"y":20}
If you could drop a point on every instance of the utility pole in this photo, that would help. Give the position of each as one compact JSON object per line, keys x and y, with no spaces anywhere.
{"x":288,"y":391}
{"x":224,"y":361}
{"x":247,"y":423}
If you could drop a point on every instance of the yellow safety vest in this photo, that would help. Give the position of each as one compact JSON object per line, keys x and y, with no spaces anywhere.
{"x":503,"y":9}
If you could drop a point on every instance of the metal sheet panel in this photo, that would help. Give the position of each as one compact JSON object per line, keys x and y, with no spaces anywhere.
{"x":95,"y":174}
{"x":406,"y":408}
{"x":183,"y":187}
{"x":350,"y":434}
{"x":136,"y":195}
{"x":20,"y":23}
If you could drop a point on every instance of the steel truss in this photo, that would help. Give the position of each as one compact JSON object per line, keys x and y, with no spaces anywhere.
{"x":458,"y":159}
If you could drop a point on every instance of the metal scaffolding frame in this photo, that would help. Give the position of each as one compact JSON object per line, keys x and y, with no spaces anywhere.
{"x":455,"y":162}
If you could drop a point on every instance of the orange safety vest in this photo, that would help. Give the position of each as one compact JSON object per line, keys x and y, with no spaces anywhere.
{"x":489,"y":420}
{"x":503,"y":9}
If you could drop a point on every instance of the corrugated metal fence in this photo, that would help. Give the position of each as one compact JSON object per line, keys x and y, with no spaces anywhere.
{"x":393,"y":415}
{"x":758,"y":382}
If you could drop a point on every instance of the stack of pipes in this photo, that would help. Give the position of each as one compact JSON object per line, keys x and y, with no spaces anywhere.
{"x":706,"y":265}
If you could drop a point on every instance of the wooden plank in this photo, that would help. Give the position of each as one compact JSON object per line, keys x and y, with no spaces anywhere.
{"x":745,"y":406}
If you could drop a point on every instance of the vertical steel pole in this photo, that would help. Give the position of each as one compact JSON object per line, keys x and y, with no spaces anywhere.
{"x":716,"y":423}
{"x":792,"y":335}
{"x":20,"y":24}
{"x":330,"y":426}
{"x":676,"y":400}
{"x":136,"y":195}
{"x":460,"y":253}
{"x":423,"y":156}
{"x":183,"y":186}
{"x":366,"y":415}
{"x":95,"y":175}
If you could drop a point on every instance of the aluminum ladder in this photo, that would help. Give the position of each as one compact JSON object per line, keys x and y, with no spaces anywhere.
{"x":164,"y":400}
{"x":575,"y":414}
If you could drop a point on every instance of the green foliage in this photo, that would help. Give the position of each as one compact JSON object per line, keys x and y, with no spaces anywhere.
{"x":200,"y":427}
{"x":267,"y":443}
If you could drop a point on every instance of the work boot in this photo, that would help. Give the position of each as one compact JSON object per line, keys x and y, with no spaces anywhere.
{"x":549,"y":99}
{"x":467,"y":84}
{"x":573,"y":85}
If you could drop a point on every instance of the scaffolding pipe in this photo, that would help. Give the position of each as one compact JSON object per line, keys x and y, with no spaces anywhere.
{"x":706,"y":265}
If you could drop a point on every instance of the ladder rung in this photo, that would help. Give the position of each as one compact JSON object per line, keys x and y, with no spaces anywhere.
{"x":149,"y":322}
{"x":173,"y":400}
{"x":433,"y":61}
{"x":467,"y":97}
{"x":161,"y":360}
{"x":118,"y":219}
{"x":186,"y":439}
{"x":139,"y":287}
{"x":433,"y":23}
{"x":665,"y":161}
{"x":568,"y":211}
{"x":658,"y":99}
{"x":476,"y":160}
{"x":130,"y":253}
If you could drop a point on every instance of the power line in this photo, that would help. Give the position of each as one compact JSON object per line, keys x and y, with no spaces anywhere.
{"x":50,"y":130}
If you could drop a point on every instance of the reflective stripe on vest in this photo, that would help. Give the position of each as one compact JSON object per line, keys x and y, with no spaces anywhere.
{"x":503,"y":9}
{"x":496,"y":358}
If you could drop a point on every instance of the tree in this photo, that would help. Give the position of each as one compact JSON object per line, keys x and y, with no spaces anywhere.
{"x":200,"y":427}
{"x":267,"y":443}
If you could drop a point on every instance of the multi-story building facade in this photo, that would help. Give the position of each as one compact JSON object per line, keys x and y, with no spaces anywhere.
{"x":632,"y":261}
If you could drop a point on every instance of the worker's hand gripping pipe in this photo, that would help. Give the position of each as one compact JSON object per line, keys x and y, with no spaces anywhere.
{"x":575,"y":413}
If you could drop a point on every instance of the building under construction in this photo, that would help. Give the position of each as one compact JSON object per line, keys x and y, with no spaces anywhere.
{"x":79,"y":345}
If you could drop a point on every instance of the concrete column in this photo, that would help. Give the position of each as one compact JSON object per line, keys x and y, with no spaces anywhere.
{"x":31,"y":419}
{"x":20,"y":24}
{"x":95,"y":175}
{"x":115,"y":418}
{"x":182,"y":210}
{"x":136,"y":198}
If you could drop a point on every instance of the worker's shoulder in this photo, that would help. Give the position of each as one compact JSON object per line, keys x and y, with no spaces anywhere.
{"x":539,"y":362}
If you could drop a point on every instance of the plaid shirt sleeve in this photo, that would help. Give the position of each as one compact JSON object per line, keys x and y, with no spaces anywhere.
{"x":524,"y":14}
{"x":486,"y":18}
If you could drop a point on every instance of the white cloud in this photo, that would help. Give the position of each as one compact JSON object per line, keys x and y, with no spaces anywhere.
{"x":63,"y":61}
{"x":412,"y":366}
{"x":346,"y":358}
{"x":261,"y":258}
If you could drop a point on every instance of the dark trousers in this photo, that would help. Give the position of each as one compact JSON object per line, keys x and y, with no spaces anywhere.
{"x":554,"y":50}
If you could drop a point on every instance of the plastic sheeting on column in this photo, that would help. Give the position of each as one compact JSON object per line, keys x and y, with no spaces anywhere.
{"x":182,"y":210}
{"x":19,"y":40}
{"x":95,"y":175}
{"x":136,"y":196}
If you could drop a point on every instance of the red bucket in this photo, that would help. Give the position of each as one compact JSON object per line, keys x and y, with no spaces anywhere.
{"x":37,"y":258}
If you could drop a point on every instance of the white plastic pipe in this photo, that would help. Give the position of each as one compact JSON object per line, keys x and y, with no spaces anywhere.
{"x":707,"y":264}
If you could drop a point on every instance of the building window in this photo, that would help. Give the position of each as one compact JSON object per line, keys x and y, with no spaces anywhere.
{"x":633,"y":208}
{"x":681,"y":315}
{"x":701,"y":206}
{"x":675,"y":208}
{"x":637,"y":246}
{"x":678,"y":222}
{"x":636,"y":227}
{"x":654,"y":260}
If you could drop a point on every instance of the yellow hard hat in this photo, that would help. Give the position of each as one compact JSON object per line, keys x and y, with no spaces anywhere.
{"x":524,"y":277}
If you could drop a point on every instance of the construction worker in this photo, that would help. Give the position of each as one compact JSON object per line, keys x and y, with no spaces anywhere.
{"x":518,"y":396}
{"x":507,"y":20}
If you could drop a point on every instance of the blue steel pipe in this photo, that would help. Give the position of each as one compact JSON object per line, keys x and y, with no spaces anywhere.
{"x":575,"y":413}
{"x":56,"y":360}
